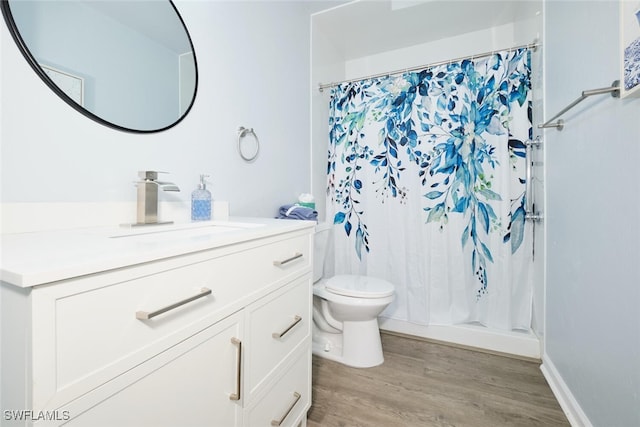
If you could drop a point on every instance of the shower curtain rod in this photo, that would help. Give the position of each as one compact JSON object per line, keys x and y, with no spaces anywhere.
{"x":533,"y":46}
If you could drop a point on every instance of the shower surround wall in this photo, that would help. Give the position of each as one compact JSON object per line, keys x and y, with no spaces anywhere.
{"x":354,"y":58}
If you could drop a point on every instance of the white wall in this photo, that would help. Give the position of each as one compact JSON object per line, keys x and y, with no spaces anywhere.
{"x":327,"y":65}
{"x":592,"y":339}
{"x":253,"y":63}
{"x":462,"y":45}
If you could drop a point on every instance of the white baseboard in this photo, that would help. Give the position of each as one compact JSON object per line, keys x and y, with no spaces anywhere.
{"x":520,"y":344}
{"x":570,"y":406}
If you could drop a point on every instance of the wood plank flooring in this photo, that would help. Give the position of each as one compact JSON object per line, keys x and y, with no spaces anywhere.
{"x":429,"y":384}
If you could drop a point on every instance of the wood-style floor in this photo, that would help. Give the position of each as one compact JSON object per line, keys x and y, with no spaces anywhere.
{"x":429,"y":384}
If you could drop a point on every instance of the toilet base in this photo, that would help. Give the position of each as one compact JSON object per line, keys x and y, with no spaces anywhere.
{"x":363,"y":347}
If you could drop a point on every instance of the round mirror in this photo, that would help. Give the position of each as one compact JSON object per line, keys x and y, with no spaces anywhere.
{"x":129,"y":65}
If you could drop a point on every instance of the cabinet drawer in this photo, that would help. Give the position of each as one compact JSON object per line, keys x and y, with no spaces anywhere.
{"x":287,"y":401}
{"x":99,"y":333}
{"x":278,"y":261}
{"x":276,"y":326}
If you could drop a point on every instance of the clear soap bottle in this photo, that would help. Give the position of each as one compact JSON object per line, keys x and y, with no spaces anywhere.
{"x":201,"y":202}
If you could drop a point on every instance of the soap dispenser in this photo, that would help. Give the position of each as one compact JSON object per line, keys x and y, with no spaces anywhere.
{"x":201,"y":202}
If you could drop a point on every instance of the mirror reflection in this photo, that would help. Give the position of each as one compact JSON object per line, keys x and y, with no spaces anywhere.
{"x":127,"y":64}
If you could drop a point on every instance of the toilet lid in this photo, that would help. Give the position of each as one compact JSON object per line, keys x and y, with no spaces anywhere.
{"x":359,"y":286}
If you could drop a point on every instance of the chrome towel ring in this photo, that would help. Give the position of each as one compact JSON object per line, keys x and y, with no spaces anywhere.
{"x":248,"y":151}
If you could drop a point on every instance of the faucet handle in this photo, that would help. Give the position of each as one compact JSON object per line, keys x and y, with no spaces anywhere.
{"x":149,"y":175}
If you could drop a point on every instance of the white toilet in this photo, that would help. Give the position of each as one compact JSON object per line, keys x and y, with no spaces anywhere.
{"x":345,"y":312}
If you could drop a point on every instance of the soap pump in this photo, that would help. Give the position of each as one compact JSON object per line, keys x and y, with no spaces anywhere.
{"x":201,"y":202}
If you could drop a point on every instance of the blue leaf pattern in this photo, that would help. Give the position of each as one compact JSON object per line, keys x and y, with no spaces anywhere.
{"x":438,"y":120}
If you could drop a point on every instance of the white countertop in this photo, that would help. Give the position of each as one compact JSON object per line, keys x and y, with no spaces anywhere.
{"x":30,"y":259}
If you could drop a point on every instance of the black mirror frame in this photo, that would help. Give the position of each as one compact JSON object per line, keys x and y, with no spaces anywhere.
{"x":15,"y":33}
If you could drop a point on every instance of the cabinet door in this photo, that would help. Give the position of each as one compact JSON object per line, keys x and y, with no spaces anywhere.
{"x":191,"y":386}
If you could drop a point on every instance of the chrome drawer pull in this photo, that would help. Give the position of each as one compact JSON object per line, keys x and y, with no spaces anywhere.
{"x":296,"y":320}
{"x":296,"y":396}
{"x":283,"y":262}
{"x":145,"y":315}
{"x":236,"y":396}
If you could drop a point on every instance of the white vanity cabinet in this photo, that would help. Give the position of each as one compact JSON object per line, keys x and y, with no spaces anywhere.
{"x":216,"y":337}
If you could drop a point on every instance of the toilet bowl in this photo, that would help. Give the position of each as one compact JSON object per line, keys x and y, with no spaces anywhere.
{"x":345,"y":313}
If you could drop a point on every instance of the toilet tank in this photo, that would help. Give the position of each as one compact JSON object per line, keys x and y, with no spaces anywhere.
{"x":320,"y":245}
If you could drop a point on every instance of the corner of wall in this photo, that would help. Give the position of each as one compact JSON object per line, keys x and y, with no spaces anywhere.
{"x":561,"y":391}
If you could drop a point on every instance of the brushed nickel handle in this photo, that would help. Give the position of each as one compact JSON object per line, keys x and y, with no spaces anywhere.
{"x":284,"y":261}
{"x":296,"y":320}
{"x":235,"y":341}
{"x":296,"y":397}
{"x":146,"y":315}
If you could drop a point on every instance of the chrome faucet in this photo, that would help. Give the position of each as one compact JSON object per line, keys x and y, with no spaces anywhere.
{"x":148,"y":197}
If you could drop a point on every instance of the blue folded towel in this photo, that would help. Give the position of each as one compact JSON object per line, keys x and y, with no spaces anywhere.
{"x":293,"y":211}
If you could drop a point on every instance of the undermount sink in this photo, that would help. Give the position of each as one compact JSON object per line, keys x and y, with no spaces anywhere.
{"x":181,"y":231}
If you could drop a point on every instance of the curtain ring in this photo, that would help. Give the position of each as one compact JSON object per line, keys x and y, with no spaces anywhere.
{"x":250,"y":153}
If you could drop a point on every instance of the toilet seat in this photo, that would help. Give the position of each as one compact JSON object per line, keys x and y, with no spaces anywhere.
{"x":359,"y":286}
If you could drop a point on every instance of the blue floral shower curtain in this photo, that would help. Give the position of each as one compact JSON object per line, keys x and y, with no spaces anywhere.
{"x":426,"y":188}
